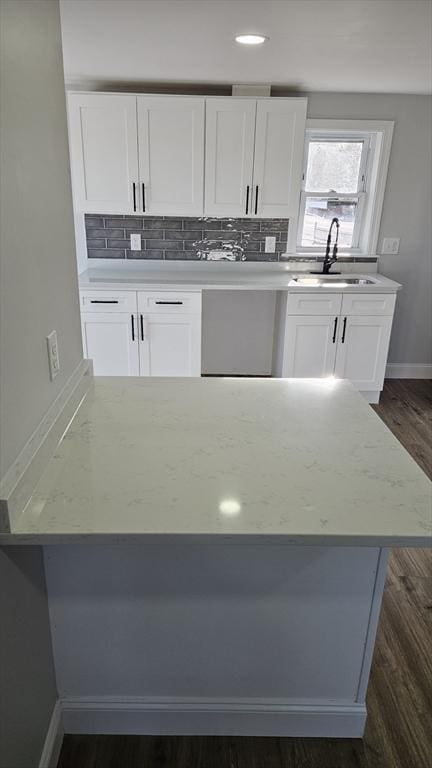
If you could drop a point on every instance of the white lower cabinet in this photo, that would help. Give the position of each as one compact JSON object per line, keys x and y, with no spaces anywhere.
{"x":165,"y":341}
{"x":349,"y":346}
{"x":310,"y":350}
{"x":110,"y":340}
{"x":170,"y":345}
{"x":362,"y":351}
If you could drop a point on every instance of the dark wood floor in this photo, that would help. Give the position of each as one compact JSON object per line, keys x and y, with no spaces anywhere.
{"x":399,"y":727}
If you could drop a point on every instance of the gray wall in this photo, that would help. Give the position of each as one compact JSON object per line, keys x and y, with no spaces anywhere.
{"x":27,"y":682}
{"x":38,"y":290}
{"x":406,"y":211}
{"x":38,"y":294}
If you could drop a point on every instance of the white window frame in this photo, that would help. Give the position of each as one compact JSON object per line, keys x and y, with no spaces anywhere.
{"x":377,"y":136}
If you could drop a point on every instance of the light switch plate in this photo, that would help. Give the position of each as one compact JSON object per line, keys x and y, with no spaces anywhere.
{"x":270,"y":244}
{"x":390,"y":245}
{"x":135,"y":242}
{"x":53,"y":355}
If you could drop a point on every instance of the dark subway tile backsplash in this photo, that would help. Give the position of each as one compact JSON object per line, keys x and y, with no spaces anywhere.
{"x":175,"y":238}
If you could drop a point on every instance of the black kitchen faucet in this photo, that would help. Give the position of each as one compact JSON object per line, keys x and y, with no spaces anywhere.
{"x":328,"y":261}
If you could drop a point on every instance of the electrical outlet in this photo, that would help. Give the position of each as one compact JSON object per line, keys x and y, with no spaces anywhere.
{"x":390,"y":245}
{"x":53,"y":355}
{"x":270,"y":244}
{"x":135,"y":242}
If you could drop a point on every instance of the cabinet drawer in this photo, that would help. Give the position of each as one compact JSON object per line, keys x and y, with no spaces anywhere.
{"x":368,"y":304}
{"x":108,"y":301}
{"x":314,"y":303}
{"x":172,"y":302}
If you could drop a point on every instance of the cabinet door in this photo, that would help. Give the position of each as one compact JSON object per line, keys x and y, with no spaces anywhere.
{"x":230,"y":128}
{"x":362,"y":350}
{"x":104,"y":152}
{"x":111,"y":340}
{"x":279,"y":139}
{"x":310,"y":346}
{"x":171,"y":155}
{"x":170,"y":345}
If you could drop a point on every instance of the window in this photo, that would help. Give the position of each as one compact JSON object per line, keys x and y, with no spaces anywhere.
{"x":344,"y":177}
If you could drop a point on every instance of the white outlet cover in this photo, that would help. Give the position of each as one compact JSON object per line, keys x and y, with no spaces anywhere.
{"x":135,"y":242}
{"x":53,"y":355}
{"x":270,"y":244}
{"x":390,"y":245}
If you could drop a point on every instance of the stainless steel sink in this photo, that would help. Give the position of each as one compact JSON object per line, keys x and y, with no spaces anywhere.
{"x":327,"y":281}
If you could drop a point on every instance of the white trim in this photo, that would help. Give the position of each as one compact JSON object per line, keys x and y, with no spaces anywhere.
{"x":380,"y":579}
{"x":83,"y":262}
{"x":199,"y":716}
{"x":18,"y":483}
{"x":372,"y":396}
{"x":409,"y":371}
{"x":381,"y":134}
{"x":53,"y":740}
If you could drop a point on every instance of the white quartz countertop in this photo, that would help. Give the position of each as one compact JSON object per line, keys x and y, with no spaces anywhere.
{"x":215,"y":277}
{"x":302,"y":460}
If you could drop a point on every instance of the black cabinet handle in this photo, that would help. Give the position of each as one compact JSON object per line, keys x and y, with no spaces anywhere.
{"x":256,"y":199}
{"x":168,"y":302}
{"x":247,"y":198}
{"x":334,"y":329}
{"x":143,"y":197}
{"x":134,"y":196}
{"x":133,"y":327}
{"x":142,"y":327}
{"x":344,"y":331}
{"x":103,"y":301}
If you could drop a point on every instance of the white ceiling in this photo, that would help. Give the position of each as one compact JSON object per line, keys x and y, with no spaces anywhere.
{"x":379,"y":46}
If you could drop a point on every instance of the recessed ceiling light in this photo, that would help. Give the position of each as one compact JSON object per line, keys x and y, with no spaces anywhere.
{"x":251,"y":39}
{"x":230,"y":507}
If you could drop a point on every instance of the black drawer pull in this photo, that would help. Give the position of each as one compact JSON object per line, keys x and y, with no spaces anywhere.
{"x":133,"y":327}
{"x":344,"y":330}
{"x":142,"y":327}
{"x":103,"y":301}
{"x":334,"y":329}
{"x":168,"y":302}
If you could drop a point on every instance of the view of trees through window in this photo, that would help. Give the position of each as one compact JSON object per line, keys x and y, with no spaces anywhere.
{"x":333,"y":169}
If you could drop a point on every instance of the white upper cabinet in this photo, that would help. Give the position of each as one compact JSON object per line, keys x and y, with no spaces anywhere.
{"x":230,"y":136}
{"x":254,"y":151}
{"x":184,"y":156}
{"x":104,"y":152}
{"x":279,"y":138}
{"x":171,"y":155}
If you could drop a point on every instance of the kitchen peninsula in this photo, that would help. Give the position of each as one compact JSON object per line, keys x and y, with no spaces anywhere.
{"x":220,"y":554}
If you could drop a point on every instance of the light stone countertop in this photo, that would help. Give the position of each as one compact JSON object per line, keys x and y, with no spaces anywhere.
{"x":214,"y":276}
{"x":306,"y":461}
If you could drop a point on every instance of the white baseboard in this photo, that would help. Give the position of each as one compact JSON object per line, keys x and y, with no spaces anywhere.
{"x":187,"y":716}
{"x":53,"y":741}
{"x":372,"y":396}
{"x":409,"y":371}
{"x":19,"y":481}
